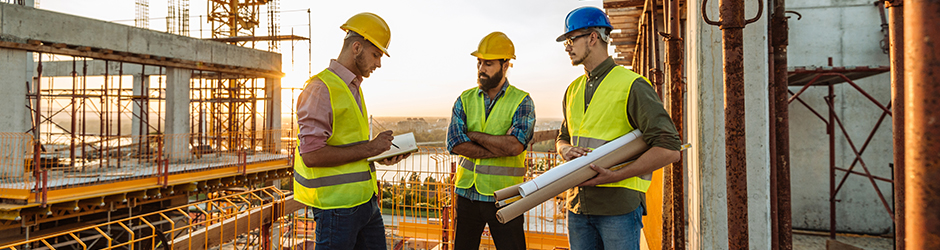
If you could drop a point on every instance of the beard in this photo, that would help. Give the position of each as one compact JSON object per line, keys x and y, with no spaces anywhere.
{"x":577,"y":61}
{"x":490,"y":82}
{"x":361,"y":65}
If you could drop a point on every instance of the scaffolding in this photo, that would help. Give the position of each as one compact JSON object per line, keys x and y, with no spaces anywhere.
{"x":235,"y":18}
{"x":97,"y":136}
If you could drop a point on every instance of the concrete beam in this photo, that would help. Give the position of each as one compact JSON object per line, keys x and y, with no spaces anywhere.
{"x":176,"y":144}
{"x":95,"y":68}
{"x":19,"y":24}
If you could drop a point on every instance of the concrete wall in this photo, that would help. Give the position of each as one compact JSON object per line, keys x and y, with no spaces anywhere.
{"x":707,"y":191}
{"x":19,"y":23}
{"x":849,"y":32}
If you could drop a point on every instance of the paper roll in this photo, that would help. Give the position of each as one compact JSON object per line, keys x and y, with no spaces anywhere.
{"x":620,"y":154}
{"x":569,"y":167}
{"x":507,"y":192}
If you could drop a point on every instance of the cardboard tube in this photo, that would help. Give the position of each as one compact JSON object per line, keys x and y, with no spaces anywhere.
{"x":510,"y":191}
{"x":623,"y":153}
{"x":571,"y":166}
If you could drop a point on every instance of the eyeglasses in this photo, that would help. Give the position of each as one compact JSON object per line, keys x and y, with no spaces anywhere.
{"x":570,"y":40}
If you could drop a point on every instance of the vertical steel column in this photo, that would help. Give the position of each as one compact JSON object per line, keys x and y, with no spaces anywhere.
{"x":37,"y":147}
{"x":74,"y":113}
{"x":673,"y":180}
{"x":732,"y":19}
{"x":782,"y":229}
{"x":119,"y":111}
{"x":896,"y":41}
{"x":732,"y":22}
{"x":831,"y":131}
{"x":922,"y":135}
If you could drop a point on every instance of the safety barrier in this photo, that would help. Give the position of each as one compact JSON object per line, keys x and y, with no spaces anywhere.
{"x":417,"y":199}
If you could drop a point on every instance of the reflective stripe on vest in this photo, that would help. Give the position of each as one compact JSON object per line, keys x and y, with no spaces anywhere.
{"x":346,"y":185}
{"x":491,"y":170}
{"x":491,"y":174}
{"x":605,"y":119}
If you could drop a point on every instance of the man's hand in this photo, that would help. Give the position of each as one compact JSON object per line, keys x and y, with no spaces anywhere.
{"x":569,"y":152}
{"x":393,"y":160}
{"x":604,"y":176}
{"x":381,"y":143}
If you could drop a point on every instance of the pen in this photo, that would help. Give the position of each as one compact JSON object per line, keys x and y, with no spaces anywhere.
{"x":396,"y":146}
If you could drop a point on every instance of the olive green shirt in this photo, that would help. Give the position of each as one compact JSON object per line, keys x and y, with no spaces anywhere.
{"x":646,"y":113}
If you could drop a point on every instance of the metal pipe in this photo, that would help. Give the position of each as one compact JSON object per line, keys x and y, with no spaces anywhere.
{"x":675,"y":178}
{"x":830,"y":130}
{"x":895,"y":38}
{"x":73,"y":116}
{"x":732,"y":22}
{"x":922,"y":135}
{"x":782,"y":231}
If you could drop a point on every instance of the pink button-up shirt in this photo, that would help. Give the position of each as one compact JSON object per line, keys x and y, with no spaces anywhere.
{"x":314,"y":112}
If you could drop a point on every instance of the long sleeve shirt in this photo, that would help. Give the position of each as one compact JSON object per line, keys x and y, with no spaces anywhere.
{"x":646,"y":113}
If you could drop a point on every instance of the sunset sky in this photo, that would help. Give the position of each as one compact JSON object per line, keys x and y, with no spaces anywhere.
{"x":430,"y":61}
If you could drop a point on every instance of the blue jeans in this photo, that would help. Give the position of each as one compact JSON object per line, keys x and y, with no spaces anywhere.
{"x":605,"y":231}
{"x":358,"y":227}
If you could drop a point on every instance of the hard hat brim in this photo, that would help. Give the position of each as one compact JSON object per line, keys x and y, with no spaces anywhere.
{"x":489,"y":57}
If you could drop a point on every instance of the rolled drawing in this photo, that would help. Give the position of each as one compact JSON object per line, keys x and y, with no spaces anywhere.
{"x":620,"y":154}
{"x":578,"y":163}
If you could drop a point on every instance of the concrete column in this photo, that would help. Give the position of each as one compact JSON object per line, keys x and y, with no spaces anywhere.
{"x":139,"y":119}
{"x":272,"y":114}
{"x":176,"y":143}
{"x":707,"y":193}
{"x":15,"y":72}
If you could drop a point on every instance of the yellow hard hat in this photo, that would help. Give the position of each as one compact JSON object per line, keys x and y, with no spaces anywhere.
{"x":372,"y":27}
{"x":494,"y":46}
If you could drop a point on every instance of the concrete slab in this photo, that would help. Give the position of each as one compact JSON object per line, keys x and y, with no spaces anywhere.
{"x":19,"y":23}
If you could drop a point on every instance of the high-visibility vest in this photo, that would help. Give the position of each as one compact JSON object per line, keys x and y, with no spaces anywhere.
{"x":491,"y":174}
{"x":606,"y":117}
{"x":347,"y":185}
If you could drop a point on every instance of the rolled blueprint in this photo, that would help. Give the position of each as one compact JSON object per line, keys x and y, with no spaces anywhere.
{"x":578,"y":163}
{"x":620,"y":154}
{"x":507,"y":192}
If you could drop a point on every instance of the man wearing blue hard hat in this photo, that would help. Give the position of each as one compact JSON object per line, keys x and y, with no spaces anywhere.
{"x":609,"y":101}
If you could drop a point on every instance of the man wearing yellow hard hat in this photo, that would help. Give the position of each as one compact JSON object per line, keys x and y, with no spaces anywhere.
{"x":605,"y":103}
{"x":489,"y":128}
{"x":331,"y":173}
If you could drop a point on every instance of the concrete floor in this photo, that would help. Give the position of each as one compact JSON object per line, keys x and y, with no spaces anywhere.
{"x":818,"y":242}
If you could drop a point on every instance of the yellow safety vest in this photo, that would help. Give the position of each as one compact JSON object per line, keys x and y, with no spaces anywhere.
{"x":606,"y":117}
{"x":491,"y":174}
{"x":347,"y":185}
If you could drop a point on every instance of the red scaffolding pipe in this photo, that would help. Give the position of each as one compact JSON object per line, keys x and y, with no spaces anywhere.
{"x":922,"y":131}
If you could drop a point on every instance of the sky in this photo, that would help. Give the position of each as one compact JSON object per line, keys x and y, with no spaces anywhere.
{"x":431,"y":42}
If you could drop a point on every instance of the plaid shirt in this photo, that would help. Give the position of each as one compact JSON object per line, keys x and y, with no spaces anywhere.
{"x":523,"y":125}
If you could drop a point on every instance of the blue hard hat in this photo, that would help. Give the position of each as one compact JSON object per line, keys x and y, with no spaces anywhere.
{"x":584,"y":17}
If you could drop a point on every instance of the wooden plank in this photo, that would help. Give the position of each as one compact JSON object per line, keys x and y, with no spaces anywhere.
{"x":420,"y":231}
{"x":608,"y":4}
